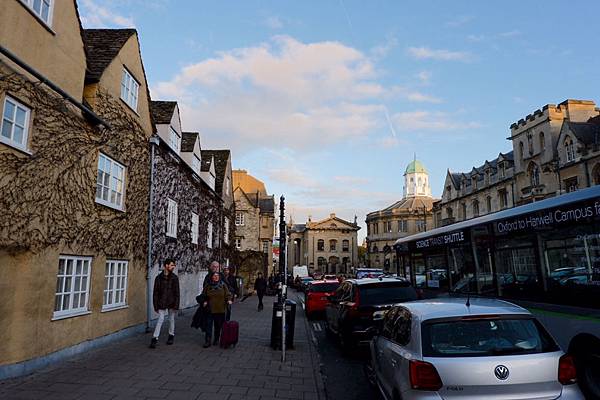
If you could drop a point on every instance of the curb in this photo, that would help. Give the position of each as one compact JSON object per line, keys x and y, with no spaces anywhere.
{"x":316,"y":361}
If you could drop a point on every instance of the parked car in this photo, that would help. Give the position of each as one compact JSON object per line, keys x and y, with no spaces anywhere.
{"x":368,"y":273}
{"x":489,"y":348}
{"x":359,"y":305}
{"x":317,"y":296}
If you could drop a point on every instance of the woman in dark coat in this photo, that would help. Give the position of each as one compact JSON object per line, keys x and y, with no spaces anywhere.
{"x":218,"y":298}
{"x":260,"y":286}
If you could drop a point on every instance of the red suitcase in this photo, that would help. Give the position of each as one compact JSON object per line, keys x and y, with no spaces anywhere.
{"x":230,"y":333}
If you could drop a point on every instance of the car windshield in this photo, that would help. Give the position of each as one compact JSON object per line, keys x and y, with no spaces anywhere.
{"x":386,"y":294}
{"x":485,"y":337}
{"x":324,"y":287}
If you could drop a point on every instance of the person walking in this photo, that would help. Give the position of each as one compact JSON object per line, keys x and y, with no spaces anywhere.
{"x":232,"y":285}
{"x":260,"y":286}
{"x":165,"y":300}
{"x":214,"y":267}
{"x":217,"y":300}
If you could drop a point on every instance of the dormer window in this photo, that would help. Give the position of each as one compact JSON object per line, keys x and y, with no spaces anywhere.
{"x":41,"y":8}
{"x":488,"y":177}
{"x":129,"y":90}
{"x":174,"y":140}
{"x":501,"y":170}
{"x":474,"y":182}
{"x":569,"y":149}
{"x":196,"y":164}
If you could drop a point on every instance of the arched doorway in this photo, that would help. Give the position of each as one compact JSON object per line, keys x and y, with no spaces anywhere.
{"x":333,"y":264}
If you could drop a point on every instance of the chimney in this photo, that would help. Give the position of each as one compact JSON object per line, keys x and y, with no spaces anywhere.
{"x":332,"y":215}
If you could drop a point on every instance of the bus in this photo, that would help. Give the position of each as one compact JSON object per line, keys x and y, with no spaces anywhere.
{"x":544,"y":256}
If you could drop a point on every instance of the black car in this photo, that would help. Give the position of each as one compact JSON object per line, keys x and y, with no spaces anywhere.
{"x":359,"y":305}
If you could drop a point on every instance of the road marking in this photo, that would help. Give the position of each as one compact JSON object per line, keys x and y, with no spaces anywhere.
{"x":317,"y":327}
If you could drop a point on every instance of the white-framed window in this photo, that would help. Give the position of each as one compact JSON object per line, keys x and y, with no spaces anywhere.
{"x":226,"y":231}
{"x":174,"y":140}
{"x":110,"y":182}
{"x":15,"y":123}
{"x":238,"y":243}
{"x":570,"y":149}
{"x":420,"y":225}
{"x":265,"y":246}
{"x":195,"y":223}
{"x":209,"y":235}
{"x":72,"y":286}
{"x":239,"y":219}
{"x":172,"y":218}
{"x":196,"y":164}
{"x":115,"y":284}
{"x":403,"y":225}
{"x":129,"y":89}
{"x":42,"y":8}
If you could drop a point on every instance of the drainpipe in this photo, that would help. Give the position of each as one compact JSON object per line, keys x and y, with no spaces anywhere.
{"x":153,"y":144}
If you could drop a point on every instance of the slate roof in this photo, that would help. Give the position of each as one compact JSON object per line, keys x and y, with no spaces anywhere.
{"x":205,"y":166}
{"x":587,"y":133}
{"x":267,"y":205}
{"x":408,"y":204}
{"x":457,"y":177}
{"x":221,"y":159}
{"x":162,"y":111}
{"x":188,"y":141}
{"x":298,"y":228}
{"x":101,"y":47}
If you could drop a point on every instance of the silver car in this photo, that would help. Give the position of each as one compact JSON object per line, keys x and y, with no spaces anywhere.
{"x":477,"y":349}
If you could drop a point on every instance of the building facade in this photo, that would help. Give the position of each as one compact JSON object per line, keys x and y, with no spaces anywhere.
{"x":411,"y":214}
{"x":327,"y":246}
{"x":74,"y":178}
{"x":254,"y":216}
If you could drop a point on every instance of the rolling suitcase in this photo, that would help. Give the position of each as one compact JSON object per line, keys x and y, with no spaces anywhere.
{"x":230,"y":333}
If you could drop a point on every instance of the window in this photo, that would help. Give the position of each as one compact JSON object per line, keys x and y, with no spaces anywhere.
{"x":475,"y":208}
{"x":402,"y":225}
{"x":196,"y":164}
{"x":209,"y":235}
{"x":42,"y":8}
{"x":571,"y":184}
{"x":449,"y":212}
{"x":195,"y":224}
{"x":376,"y":228}
{"x":534,"y":174}
{"x":129,"y":90}
{"x":488,"y":204}
{"x":115,"y":284}
{"x":171,"y":218}
{"x":542,"y":141}
{"x":238,"y":243}
{"x":226,"y":231}
{"x":387,"y":225}
{"x":15,"y":124}
{"x":320,"y":245}
{"x":239,"y":219}
{"x":265,"y":247}
{"x":501,"y":170}
{"x":530,"y":143}
{"x":420,"y":224}
{"x":332,"y":245}
{"x":401,"y":328}
{"x":72,"y":286}
{"x":110,"y":182}
{"x":174,"y":140}
{"x":464,"y":210}
{"x":503,"y":198}
{"x":521,"y":152}
{"x":488,"y":177}
{"x":474,"y":183}
{"x":345,"y":245}
{"x":569,"y":149}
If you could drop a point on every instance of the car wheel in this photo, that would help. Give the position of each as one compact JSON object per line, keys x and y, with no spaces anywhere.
{"x":589,"y":375}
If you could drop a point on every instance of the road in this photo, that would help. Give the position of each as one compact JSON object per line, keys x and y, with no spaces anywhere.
{"x":344,"y":376}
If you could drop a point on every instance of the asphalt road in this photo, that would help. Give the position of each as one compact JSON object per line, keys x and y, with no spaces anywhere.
{"x":344,"y":375}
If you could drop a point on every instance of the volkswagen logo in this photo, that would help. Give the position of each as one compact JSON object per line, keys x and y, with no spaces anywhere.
{"x":501,"y":372}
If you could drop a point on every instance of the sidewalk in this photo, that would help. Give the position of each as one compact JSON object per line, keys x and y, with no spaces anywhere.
{"x":128,"y":369}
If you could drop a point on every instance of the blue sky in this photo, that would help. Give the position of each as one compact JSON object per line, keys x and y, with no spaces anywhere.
{"x":327,"y":101}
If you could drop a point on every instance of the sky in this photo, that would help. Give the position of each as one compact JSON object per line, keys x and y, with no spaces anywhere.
{"x":328,"y":101}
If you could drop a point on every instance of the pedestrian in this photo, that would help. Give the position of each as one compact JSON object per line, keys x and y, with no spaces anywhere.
{"x":214,"y":267}
{"x":260,"y":286}
{"x":165,"y":300}
{"x":232,"y":285}
{"x":217,"y":300}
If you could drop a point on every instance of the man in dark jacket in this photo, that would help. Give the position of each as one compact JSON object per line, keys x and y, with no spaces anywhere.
{"x":260,"y":286}
{"x":166,"y":300}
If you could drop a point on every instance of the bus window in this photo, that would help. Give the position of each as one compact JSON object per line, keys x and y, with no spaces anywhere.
{"x":516,"y":268}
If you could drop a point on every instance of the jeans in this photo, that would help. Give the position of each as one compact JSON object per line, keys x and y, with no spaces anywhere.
{"x":260,"y":302}
{"x":215,"y":320}
{"x":161,"y":318}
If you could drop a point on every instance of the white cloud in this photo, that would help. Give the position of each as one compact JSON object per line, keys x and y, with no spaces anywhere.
{"x":476,"y":38}
{"x":382,"y":50}
{"x":423,"y":98}
{"x":97,"y":16}
{"x":459,"y":21}
{"x":424,"y":53}
{"x":510,"y":34}
{"x":424,"y":77}
{"x":283,"y":93}
{"x":429,"y":121}
{"x":357,"y":180}
{"x":274,"y":22}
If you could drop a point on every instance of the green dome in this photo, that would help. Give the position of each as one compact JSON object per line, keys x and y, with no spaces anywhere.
{"x":415,"y":166}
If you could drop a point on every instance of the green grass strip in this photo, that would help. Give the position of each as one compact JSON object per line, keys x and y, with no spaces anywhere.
{"x":563,"y":315}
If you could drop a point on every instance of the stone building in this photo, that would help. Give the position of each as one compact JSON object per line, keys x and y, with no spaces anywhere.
{"x":328,"y":246}
{"x":188,"y":214}
{"x":411,"y":214}
{"x":485,"y":189}
{"x":254,"y":216}
{"x":74,"y":179}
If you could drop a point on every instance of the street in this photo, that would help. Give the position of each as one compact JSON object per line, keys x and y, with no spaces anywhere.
{"x":343,"y":376}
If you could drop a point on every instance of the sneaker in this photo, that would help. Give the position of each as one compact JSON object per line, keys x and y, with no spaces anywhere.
{"x":153,"y":343}
{"x":171,"y":339}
